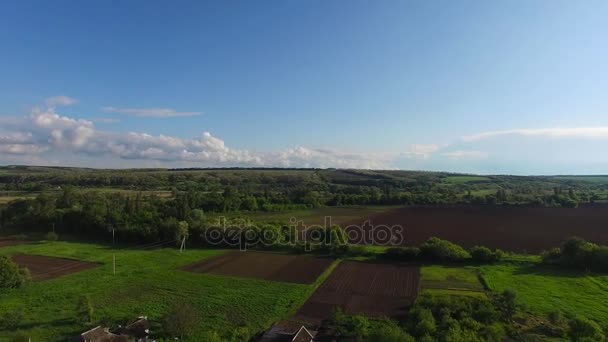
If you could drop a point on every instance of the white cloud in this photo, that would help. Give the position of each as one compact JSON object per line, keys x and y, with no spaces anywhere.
{"x":577,"y":132}
{"x":462,"y":154}
{"x":150,"y":112}
{"x":420,"y":150}
{"x":48,"y":131}
{"x":61,"y":100}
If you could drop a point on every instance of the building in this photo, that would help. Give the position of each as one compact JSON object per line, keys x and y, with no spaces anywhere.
{"x":101,"y":334}
{"x":288,"y":331}
{"x":138,"y":330}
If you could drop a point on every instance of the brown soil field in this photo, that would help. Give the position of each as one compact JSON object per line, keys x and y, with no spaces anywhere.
{"x":46,"y":267}
{"x":516,"y":229}
{"x":11,"y":242}
{"x":376,"y":290}
{"x":300,"y":269}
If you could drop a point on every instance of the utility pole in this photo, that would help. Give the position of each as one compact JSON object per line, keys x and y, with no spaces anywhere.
{"x":113,"y":241}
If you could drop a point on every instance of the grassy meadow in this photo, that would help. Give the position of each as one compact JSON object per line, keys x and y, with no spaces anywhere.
{"x":545,"y":289}
{"x":146,"y":283}
{"x":451,"y":280}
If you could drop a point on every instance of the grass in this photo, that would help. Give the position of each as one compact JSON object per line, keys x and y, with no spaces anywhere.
{"x":451,"y":280}
{"x":545,"y":289}
{"x":146,"y":283}
{"x":316,"y":216}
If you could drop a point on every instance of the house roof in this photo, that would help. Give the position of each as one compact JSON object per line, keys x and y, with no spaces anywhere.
{"x":303,"y":335}
{"x":139,"y":328}
{"x":288,"y":331}
{"x":101,"y":334}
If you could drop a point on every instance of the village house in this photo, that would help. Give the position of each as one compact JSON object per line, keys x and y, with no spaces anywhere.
{"x":138,"y":330}
{"x":288,"y":331}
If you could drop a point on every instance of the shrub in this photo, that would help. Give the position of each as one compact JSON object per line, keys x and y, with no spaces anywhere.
{"x":10,"y":320}
{"x":180,"y":321}
{"x":583,"y":329}
{"x":442,"y":250}
{"x":388,"y":331}
{"x":10,"y":274}
{"x":483,"y":255}
{"x":506,"y":302}
{"x":51,"y":236}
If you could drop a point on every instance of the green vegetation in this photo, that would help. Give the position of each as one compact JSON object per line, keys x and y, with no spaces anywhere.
{"x":466,"y":179}
{"x":545,"y":289}
{"x":11,"y":276}
{"x":147,"y":282}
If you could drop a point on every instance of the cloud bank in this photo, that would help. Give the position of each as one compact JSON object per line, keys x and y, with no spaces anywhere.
{"x":45,"y":130}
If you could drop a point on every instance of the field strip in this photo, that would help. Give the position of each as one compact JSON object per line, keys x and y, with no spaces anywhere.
{"x":314,"y":286}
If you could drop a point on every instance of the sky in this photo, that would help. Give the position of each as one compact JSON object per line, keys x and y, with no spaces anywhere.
{"x":489,"y":87}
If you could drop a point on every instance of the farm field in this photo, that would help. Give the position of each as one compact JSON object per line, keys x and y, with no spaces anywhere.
{"x":545,"y":289}
{"x":147,"y":282}
{"x":45,"y":267}
{"x":316,"y":216}
{"x":373,"y":289}
{"x":287,"y":268}
{"x":451,"y":280}
{"x":518,"y":229}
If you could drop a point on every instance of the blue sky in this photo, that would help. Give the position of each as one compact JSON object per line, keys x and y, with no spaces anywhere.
{"x":473,"y":86}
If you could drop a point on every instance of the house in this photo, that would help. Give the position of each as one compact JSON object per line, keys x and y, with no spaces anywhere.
{"x":138,"y":330}
{"x":288,"y":331}
{"x":101,"y":334}
{"x":303,"y":335}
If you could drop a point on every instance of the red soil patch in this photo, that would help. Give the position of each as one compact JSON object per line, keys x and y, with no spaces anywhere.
{"x":376,"y":290}
{"x":510,"y":228}
{"x":299,"y":269}
{"x":45,"y":267}
{"x":11,"y":242}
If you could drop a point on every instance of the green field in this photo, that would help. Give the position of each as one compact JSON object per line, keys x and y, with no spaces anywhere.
{"x":316,"y":216}
{"x":545,"y":289}
{"x":146,"y":283}
{"x":462,"y":281}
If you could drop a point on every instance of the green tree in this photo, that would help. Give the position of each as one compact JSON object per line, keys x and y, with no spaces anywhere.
{"x":507,"y":304}
{"x":10,"y":274}
{"x":389,"y":331}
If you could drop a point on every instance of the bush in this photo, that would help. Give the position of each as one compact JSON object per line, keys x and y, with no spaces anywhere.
{"x":51,"y":236}
{"x":10,"y":320}
{"x":389,"y":331}
{"x":10,"y":275}
{"x":442,"y":250}
{"x":180,"y":321}
{"x":483,"y":255}
{"x":583,"y":329}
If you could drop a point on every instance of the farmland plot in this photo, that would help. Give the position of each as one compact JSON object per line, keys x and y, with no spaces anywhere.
{"x":298,"y":269}
{"x":46,"y":267}
{"x":518,"y":229}
{"x":363,"y":288}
